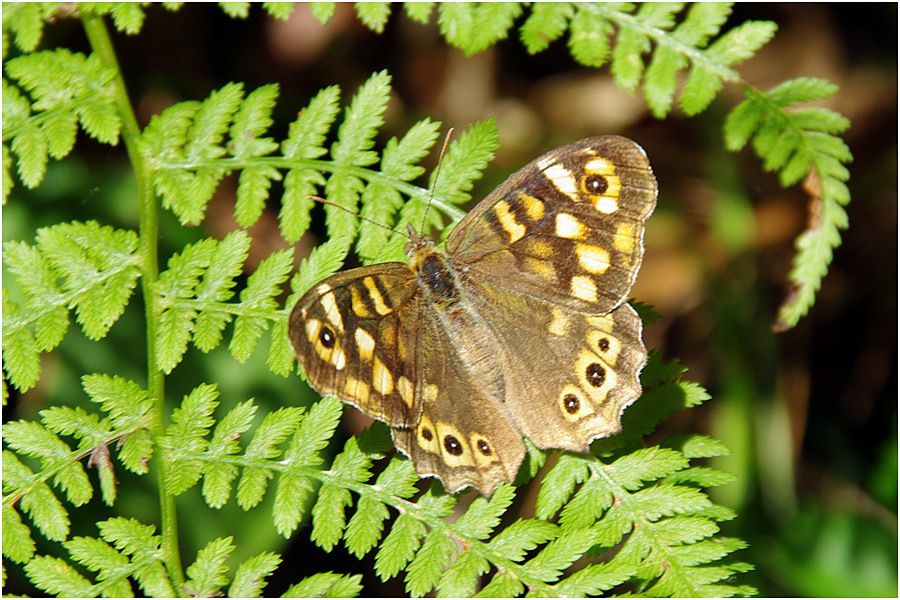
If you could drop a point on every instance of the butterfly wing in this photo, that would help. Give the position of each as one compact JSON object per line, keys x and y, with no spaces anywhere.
{"x":355,"y":334}
{"x":568,"y":376}
{"x":465,"y":435}
{"x":568,"y":227}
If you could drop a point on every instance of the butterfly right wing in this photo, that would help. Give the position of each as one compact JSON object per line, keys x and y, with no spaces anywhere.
{"x":355,"y":334}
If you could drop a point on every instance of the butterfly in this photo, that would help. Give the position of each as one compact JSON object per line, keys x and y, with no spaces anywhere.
{"x":518,"y":327}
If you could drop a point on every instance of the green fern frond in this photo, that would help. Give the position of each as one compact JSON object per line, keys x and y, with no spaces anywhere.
{"x":193,"y":300}
{"x":84,"y":266}
{"x":645,"y":506}
{"x":123,"y":422}
{"x":126,"y":550}
{"x":191,"y":146}
{"x":800,"y":143}
{"x":55,"y":91}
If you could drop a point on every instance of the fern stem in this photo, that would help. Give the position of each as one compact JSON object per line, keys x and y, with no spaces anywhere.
{"x":98,"y":36}
{"x":285,"y":163}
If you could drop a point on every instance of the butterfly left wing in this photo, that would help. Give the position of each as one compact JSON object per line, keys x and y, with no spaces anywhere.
{"x":568,"y":227}
{"x":355,"y":334}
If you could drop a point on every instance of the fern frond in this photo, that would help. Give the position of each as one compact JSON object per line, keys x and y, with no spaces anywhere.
{"x":55,"y":92}
{"x":191,"y":146}
{"x":123,"y":422}
{"x":84,"y":266}
{"x":126,"y":550}
{"x":800,"y":143}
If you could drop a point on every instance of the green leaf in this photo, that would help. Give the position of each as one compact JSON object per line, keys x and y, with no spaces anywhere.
{"x":55,"y":576}
{"x":326,"y":585}
{"x":484,"y":515}
{"x":399,"y":547}
{"x":322,"y":11}
{"x":373,"y":15}
{"x":547,"y":22}
{"x":429,"y":563}
{"x":208,"y":574}
{"x":250,"y":577}
{"x":589,"y":37}
{"x":18,"y":545}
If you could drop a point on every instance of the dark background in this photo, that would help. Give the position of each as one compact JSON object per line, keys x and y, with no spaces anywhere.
{"x":810,"y":414}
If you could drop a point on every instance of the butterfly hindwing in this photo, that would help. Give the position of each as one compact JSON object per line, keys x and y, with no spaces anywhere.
{"x":464,"y":435}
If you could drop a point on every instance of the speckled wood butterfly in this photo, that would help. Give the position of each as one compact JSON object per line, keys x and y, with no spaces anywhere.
{"x":519,"y":328}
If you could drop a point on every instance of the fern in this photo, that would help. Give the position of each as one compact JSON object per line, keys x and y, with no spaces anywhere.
{"x":84,"y":266}
{"x":800,"y":143}
{"x":54,"y":92}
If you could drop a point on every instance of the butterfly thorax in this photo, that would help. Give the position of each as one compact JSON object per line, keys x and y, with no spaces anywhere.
{"x":433,"y":275}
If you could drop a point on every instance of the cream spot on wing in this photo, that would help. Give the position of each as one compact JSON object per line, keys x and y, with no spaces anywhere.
{"x":542,"y":267}
{"x":562,"y":180}
{"x":359,"y":305}
{"x":624,"y":238}
{"x":559,"y":324}
{"x":508,"y":221}
{"x":332,"y":313}
{"x":573,"y":405}
{"x":405,"y":389}
{"x":454,"y":447}
{"x":430,"y":392}
{"x":323,"y":288}
{"x":544,"y":163}
{"x":382,"y":380}
{"x":338,"y":359}
{"x":377,"y":299}
{"x":426,"y":435}
{"x":595,"y":376}
{"x":592,"y":259}
{"x":599,"y":166}
{"x":534,"y":208}
{"x":584,"y":288}
{"x":356,"y":389}
{"x":366,"y":344}
{"x":312,"y":330}
{"x":569,"y":227}
{"x":606,"y":204}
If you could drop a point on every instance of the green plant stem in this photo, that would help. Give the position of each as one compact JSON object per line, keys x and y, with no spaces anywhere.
{"x":98,"y":36}
{"x":284,"y":163}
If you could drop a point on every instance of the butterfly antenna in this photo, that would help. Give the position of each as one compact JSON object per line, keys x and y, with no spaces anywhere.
{"x":354,"y":213}
{"x":437,"y":173}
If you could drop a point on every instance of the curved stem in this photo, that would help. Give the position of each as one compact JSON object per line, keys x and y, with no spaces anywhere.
{"x":98,"y":36}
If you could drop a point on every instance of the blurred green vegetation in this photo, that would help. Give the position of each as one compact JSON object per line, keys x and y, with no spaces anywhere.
{"x":810,"y":414}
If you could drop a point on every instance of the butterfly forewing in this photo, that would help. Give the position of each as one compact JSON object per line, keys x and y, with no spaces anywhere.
{"x":355,"y":335}
{"x":568,"y":226}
